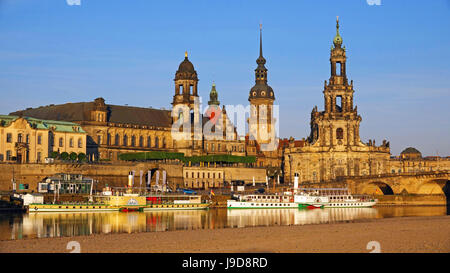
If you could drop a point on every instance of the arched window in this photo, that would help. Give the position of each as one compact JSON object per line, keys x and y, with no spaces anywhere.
{"x":156,"y":142}
{"x":71,"y":142}
{"x":339,"y":133}
{"x":80,"y":143}
{"x":116,"y":140}
{"x":149,"y":141}
{"x":133,"y":141}
{"x":19,"y":138}
{"x":125,"y":140}
{"x":108,"y":139}
{"x":61,"y":142}
{"x":141,"y":141}
{"x":164,"y":142}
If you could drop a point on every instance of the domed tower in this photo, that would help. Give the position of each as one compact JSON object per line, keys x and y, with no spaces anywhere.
{"x":185,"y":84}
{"x":261,"y":100}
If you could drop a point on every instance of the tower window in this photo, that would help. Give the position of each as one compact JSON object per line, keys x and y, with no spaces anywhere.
{"x":339,"y":133}
{"x":338,"y":69}
{"x":339,"y":103}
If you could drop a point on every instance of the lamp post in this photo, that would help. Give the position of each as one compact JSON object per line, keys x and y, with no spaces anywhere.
{"x":290,"y":169}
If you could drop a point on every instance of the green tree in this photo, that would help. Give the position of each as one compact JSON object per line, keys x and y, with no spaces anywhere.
{"x":73,"y":156}
{"x":54,"y":154}
{"x":64,"y":156}
{"x":81,"y":157}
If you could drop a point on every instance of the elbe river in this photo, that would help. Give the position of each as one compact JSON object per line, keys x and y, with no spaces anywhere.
{"x":14,"y":226}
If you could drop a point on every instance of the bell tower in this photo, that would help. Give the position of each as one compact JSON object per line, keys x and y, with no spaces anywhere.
{"x":338,"y":125}
{"x":185,"y":84}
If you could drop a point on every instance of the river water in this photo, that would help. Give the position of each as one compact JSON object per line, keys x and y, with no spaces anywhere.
{"x":39,"y":225}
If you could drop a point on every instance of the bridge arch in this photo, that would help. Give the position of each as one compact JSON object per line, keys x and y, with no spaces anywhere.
{"x":433,"y":187}
{"x":378,"y":188}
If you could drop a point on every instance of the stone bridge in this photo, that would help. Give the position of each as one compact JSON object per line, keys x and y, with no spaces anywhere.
{"x":424,"y":183}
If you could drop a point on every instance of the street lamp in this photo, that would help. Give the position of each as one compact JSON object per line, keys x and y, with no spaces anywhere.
{"x":290,"y":169}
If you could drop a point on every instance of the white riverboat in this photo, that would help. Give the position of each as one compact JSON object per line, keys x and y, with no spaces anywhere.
{"x":342,"y":198}
{"x":277,"y":201}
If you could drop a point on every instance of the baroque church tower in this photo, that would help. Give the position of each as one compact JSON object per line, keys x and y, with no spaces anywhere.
{"x":261,"y":100}
{"x":187,"y":140}
{"x":186,"y":82}
{"x":334,"y":148}
{"x":338,"y":125}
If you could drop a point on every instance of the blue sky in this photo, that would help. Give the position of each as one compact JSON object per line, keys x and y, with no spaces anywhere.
{"x":128,"y":52}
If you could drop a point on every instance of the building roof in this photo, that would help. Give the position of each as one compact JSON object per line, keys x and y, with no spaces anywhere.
{"x":43,"y":124}
{"x":410,"y":150}
{"x":80,"y":111}
{"x":186,"y":70}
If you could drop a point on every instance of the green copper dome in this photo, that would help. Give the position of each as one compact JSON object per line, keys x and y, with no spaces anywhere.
{"x":213,"y":96}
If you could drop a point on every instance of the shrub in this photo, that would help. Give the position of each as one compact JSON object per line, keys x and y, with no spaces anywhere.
{"x":73,"y":156}
{"x":64,"y":155}
{"x":193,"y":159}
{"x":54,"y":154}
{"x":81,"y":157}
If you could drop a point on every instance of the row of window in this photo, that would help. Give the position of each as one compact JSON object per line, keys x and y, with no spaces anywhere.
{"x":61,"y":142}
{"x":21,"y":138}
{"x":234,"y":148}
{"x":267,"y":205}
{"x":133,"y":143}
{"x":9,"y":156}
{"x":202,"y":184}
{"x":203,"y":175}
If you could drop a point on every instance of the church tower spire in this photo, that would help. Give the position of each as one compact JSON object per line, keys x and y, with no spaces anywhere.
{"x":261,"y":99}
{"x":261,"y":89}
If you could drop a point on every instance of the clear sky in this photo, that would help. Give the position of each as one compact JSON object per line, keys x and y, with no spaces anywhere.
{"x":128,"y":51}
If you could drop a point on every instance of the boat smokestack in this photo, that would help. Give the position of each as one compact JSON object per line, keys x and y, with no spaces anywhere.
{"x":130,"y":179}
{"x":295,"y":182}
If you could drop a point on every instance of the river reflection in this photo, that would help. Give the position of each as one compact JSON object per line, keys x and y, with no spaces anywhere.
{"x":38,"y":225}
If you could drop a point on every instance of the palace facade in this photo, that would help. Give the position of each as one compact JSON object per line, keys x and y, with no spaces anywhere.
{"x":31,"y":140}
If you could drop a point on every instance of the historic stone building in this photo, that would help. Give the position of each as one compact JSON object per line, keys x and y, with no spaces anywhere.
{"x":116,"y":129}
{"x":334,"y":147}
{"x":332,"y":150}
{"x":31,"y":140}
{"x":411,"y":161}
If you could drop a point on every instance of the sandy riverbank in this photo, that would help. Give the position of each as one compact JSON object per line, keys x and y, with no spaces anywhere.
{"x":408,"y":234}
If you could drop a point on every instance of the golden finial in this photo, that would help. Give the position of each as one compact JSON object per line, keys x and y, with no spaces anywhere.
{"x":185,"y":54}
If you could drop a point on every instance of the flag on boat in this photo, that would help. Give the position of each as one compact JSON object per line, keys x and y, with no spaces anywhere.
{"x":212,"y":193}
